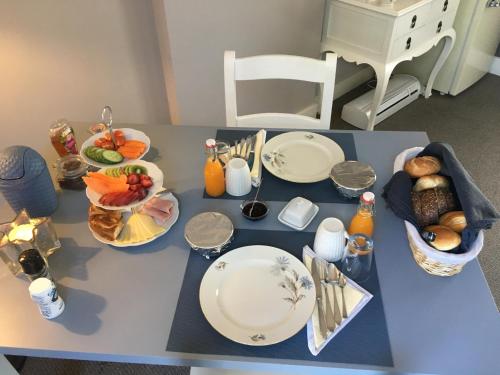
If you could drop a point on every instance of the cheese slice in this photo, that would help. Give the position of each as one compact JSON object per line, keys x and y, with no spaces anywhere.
{"x":139,"y":227}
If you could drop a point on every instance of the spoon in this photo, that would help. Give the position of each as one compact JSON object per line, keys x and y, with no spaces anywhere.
{"x":255,"y":198}
{"x":107,"y":119}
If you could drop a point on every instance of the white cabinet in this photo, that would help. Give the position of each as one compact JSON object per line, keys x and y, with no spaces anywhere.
{"x":367,"y":32}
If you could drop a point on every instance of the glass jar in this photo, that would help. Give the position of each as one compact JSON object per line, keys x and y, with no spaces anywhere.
{"x":70,"y":170}
{"x":63,"y":138}
{"x":357,"y":262}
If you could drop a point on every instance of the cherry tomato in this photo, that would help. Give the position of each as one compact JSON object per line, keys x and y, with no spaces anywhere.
{"x":118,"y":133}
{"x":98,"y":142}
{"x":120,"y":140}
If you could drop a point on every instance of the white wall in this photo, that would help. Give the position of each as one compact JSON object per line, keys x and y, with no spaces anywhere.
{"x":68,"y":58}
{"x":200,"y":31}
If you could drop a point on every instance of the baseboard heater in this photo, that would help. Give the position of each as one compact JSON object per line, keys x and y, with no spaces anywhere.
{"x":401,"y":91}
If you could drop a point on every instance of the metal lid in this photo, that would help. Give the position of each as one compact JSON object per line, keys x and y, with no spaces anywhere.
{"x":208,"y":230}
{"x":353,"y":175}
{"x":19,"y":164}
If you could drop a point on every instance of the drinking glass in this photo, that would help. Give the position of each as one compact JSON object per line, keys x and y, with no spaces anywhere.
{"x":357,"y":261}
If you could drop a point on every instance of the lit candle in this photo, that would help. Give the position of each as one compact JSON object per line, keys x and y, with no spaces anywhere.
{"x":23,"y":232}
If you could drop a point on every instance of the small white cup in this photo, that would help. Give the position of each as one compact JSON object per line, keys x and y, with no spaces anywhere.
{"x":238,"y":180}
{"x":330,"y":239}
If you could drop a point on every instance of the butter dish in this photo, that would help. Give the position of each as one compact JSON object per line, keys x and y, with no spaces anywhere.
{"x":298,"y":213}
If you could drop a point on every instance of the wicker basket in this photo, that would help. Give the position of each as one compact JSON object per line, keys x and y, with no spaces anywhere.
{"x":435,"y":262}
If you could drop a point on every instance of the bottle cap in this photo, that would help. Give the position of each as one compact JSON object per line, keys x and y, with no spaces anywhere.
{"x":368,"y":197}
{"x":31,"y":262}
{"x":210,"y":143}
{"x":42,"y":287}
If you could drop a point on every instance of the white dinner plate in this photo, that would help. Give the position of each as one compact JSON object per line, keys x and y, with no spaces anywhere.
{"x":126,"y":214}
{"x":153,"y":171}
{"x":301,"y":157}
{"x":257,"y":295}
{"x":130,"y":135}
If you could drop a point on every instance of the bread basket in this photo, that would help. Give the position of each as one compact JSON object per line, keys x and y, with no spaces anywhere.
{"x":433,"y":261}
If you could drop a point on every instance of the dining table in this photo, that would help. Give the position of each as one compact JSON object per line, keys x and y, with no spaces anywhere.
{"x":141,"y":304}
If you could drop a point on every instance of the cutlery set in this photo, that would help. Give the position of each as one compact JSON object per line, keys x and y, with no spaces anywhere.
{"x":243,"y":148}
{"x":327,"y":277}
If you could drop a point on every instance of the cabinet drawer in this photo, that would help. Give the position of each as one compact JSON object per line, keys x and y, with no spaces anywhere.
{"x":409,"y":42}
{"x":442,"y":23}
{"x":442,"y":7}
{"x":412,"y":20}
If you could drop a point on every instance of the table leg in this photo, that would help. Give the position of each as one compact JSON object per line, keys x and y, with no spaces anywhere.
{"x":383,"y":73}
{"x":449,"y":42}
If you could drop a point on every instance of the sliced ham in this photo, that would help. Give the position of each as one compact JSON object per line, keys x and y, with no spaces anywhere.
{"x":159,"y":209}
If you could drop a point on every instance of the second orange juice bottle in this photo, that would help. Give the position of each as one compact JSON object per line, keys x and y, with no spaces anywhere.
{"x":363,"y":221}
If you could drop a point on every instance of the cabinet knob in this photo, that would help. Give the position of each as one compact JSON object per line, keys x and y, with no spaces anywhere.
{"x":408,"y":43}
{"x":440,"y":25}
{"x":413,"y":21}
{"x":445,"y":5}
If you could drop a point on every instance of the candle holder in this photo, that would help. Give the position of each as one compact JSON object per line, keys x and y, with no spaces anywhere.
{"x":25,"y":233}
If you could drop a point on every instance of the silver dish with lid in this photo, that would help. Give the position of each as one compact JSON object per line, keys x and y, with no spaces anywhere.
{"x":353,"y":178}
{"x":209,"y":233}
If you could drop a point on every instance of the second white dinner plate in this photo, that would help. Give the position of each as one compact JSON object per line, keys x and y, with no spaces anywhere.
{"x":126,"y":214}
{"x":257,"y":295}
{"x":301,"y":157}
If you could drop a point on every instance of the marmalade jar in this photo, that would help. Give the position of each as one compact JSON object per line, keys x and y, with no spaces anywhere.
{"x":63,"y":138}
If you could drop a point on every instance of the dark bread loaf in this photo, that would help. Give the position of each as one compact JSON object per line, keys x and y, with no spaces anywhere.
{"x":429,"y":204}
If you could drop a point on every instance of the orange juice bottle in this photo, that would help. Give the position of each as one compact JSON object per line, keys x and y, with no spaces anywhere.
{"x":215,"y":184}
{"x":362,"y":222}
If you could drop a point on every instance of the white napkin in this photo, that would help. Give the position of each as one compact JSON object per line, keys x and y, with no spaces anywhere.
{"x":355,"y":299}
{"x":256,"y":172}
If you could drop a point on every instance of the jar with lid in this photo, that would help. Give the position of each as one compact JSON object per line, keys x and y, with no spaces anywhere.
{"x":70,"y":170}
{"x":33,"y":264}
{"x":63,"y":138}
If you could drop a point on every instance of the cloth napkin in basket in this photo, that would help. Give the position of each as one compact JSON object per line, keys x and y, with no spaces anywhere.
{"x":355,"y":298}
{"x":478,"y":210}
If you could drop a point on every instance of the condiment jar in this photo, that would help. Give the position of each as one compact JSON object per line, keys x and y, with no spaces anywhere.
{"x":70,"y":170}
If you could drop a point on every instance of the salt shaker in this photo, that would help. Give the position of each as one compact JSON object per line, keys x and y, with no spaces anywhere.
{"x":43,"y":291}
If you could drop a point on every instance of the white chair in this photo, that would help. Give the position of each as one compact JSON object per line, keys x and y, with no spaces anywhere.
{"x":279,"y":67}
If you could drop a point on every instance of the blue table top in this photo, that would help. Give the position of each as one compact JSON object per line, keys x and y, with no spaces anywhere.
{"x":120,"y":303}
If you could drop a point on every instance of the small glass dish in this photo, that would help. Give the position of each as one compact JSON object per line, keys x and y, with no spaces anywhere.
{"x":258,"y":212}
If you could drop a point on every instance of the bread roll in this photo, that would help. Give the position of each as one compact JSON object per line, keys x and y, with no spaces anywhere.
{"x":455,"y":220}
{"x":446,"y":239}
{"x":430,"y":182}
{"x":422,"y":166}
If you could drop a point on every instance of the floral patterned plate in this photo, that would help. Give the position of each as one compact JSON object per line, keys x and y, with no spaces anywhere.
{"x":257,"y":295}
{"x":301,"y":157}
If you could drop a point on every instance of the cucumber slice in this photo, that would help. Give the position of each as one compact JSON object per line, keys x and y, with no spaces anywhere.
{"x":112,"y":157}
{"x":98,"y":152}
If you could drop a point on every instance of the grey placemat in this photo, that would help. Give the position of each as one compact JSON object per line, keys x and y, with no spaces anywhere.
{"x":275,"y":189}
{"x":364,"y":341}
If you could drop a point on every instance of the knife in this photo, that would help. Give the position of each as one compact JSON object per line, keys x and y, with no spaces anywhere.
{"x":330,"y":316}
{"x":333,"y":275}
{"x":316,"y":275}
